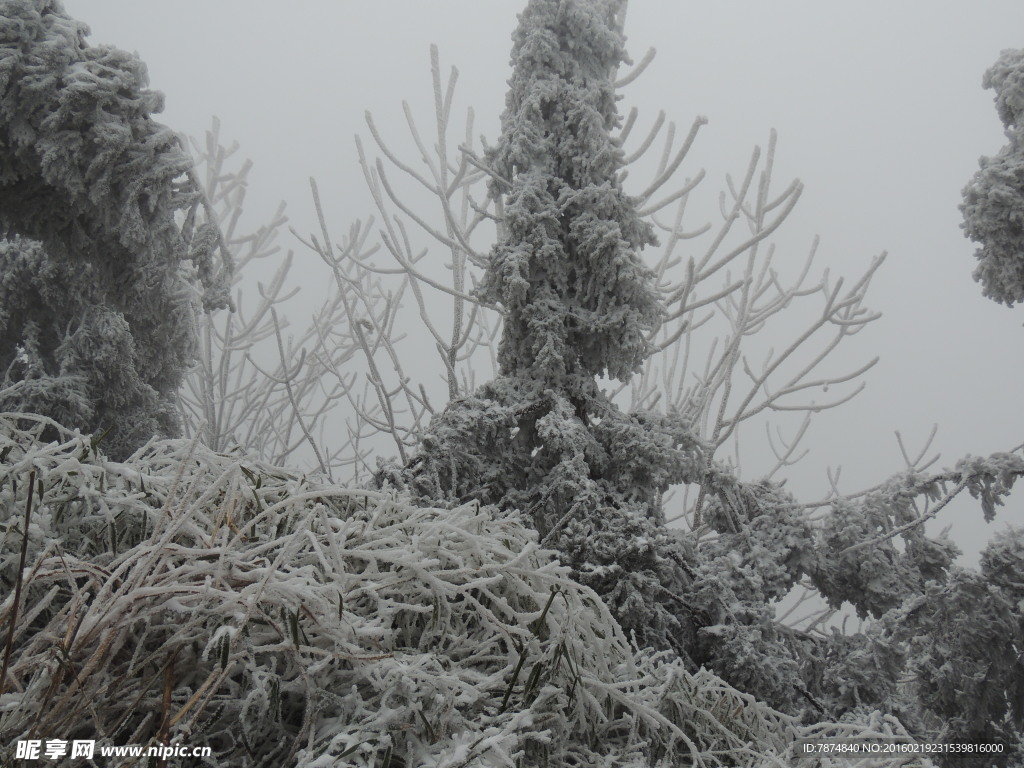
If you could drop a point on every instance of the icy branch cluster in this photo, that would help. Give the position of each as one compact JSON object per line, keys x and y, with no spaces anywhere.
{"x":993,"y":206}
{"x":101,"y":267}
{"x":212,"y":599}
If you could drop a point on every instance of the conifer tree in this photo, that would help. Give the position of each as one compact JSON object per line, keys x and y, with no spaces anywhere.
{"x":542,"y":438}
{"x":99,"y":282}
{"x":578,"y":301}
{"x":993,"y":206}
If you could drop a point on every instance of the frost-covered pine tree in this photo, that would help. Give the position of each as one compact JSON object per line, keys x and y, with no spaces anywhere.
{"x":99,"y":282}
{"x":578,"y":303}
{"x":993,"y":206}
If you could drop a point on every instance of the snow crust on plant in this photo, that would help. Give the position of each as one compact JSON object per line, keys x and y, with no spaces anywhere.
{"x":577,"y":298}
{"x":542,"y":438}
{"x":102,"y":271}
{"x":209,"y":599}
{"x":993,"y":206}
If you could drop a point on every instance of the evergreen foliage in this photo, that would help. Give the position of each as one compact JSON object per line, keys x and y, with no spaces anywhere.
{"x":993,"y":206}
{"x":578,"y":301}
{"x":964,"y":638}
{"x":99,"y":282}
{"x":873,"y":554}
{"x":542,"y":438}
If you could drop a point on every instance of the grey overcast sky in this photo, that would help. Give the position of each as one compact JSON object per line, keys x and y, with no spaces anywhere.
{"x":878,"y":105}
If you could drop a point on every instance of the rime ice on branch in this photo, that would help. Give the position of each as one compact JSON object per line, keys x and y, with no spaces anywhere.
{"x":578,"y":302}
{"x":99,"y":281}
{"x":993,"y":206}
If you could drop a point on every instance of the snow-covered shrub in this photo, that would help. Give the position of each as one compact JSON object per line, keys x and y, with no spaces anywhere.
{"x":208,"y":599}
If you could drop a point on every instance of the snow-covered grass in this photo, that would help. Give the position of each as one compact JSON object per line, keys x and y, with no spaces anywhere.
{"x":208,"y":599}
